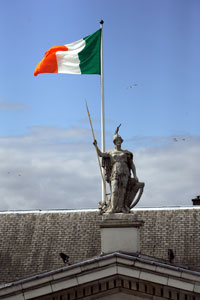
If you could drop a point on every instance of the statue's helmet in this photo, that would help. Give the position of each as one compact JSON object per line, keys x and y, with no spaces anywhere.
{"x":117,"y":136}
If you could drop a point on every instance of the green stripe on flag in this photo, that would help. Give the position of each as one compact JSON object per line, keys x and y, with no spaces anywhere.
{"x":90,"y":55}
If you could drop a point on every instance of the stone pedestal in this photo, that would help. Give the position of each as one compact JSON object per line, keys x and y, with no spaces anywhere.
{"x":120,"y":232}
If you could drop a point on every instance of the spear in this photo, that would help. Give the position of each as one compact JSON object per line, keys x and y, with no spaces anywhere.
{"x":103,"y":180}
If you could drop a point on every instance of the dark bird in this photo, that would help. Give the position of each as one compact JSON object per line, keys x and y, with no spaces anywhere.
{"x":132,"y":86}
{"x":170,"y":255}
{"x":65,"y":258}
{"x":176,"y":140}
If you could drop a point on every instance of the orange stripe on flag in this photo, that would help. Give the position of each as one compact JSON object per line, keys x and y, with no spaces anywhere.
{"x":49,"y":63}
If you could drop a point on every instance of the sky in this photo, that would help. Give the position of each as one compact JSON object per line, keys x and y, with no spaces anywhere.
{"x":151,"y":84}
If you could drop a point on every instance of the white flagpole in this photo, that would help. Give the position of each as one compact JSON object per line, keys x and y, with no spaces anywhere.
{"x":102,"y":108}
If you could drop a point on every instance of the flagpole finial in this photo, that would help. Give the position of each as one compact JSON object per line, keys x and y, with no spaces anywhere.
{"x":101,"y":22}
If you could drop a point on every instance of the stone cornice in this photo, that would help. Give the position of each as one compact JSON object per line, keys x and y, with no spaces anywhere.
{"x":115,"y":265}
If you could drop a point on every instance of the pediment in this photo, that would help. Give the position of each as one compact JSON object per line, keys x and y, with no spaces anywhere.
{"x":108,"y":277}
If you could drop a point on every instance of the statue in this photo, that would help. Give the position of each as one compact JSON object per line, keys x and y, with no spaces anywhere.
{"x":118,"y":165}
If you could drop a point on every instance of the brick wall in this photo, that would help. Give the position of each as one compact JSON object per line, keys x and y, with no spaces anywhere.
{"x":31,"y":242}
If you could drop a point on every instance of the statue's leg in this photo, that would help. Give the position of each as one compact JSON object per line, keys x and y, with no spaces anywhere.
{"x":114,"y":195}
{"x":122,"y":193}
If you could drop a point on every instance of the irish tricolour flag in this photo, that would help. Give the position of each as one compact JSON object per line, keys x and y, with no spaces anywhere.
{"x":80,"y":57}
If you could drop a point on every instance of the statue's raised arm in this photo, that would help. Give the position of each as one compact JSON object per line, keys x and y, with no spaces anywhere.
{"x":101,"y":154}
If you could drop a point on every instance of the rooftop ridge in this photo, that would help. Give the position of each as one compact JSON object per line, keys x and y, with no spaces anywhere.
{"x":40,"y":211}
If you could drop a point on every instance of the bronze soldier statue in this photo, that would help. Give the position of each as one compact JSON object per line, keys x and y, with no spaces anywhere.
{"x":119,"y":168}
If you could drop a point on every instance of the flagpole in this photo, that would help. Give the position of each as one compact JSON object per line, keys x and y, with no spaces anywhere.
{"x":102,"y":110}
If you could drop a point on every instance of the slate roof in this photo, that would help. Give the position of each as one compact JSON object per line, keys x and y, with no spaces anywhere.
{"x":31,"y":241}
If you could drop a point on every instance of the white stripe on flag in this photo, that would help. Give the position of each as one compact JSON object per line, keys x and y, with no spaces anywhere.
{"x":68,"y":61}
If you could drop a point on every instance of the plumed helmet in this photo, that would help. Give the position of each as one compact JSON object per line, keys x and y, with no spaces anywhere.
{"x":117,"y":136}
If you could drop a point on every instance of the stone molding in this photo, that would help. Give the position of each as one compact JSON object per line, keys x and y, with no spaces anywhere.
{"x":108,"y":274}
{"x":119,"y":220}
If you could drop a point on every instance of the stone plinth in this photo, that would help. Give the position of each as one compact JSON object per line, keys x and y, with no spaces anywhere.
{"x":120,"y":232}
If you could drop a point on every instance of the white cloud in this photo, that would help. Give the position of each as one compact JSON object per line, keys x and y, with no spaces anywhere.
{"x":171,"y":173}
{"x":38,"y":173}
{"x":4,"y":105}
{"x":58,"y":168}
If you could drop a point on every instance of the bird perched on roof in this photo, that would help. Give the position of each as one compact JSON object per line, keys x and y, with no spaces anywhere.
{"x":64,"y":257}
{"x":171,"y":255}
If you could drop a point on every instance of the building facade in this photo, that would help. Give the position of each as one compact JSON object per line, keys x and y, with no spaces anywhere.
{"x":32,"y":268}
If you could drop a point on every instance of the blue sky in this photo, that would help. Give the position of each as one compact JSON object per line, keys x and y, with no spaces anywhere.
{"x":152,"y":43}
